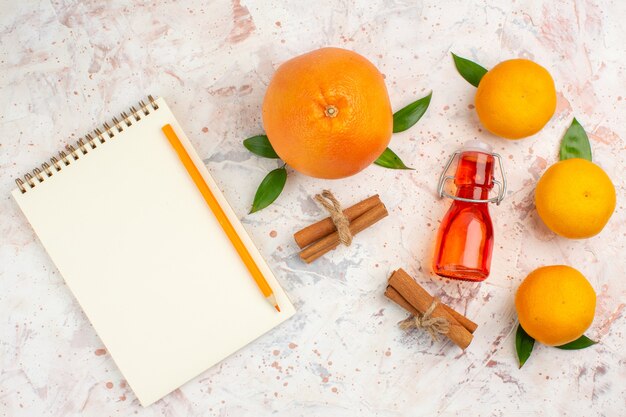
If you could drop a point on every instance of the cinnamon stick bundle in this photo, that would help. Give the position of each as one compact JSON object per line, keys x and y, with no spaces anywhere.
{"x":325,"y":227}
{"x":323,"y":236}
{"x":395,"y":296}
{"x":407,"y":293}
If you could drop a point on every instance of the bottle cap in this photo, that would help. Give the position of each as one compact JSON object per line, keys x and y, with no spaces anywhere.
{"x":476,"y":145}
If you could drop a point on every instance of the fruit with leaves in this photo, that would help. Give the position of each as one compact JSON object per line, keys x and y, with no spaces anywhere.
{"x":514,"y":99}
{"x":273,"y":184}
{"x":575,"y":198}
{"x":555,"y":304}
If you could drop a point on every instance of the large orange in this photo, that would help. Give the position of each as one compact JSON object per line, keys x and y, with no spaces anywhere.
{"x":327,"y":113}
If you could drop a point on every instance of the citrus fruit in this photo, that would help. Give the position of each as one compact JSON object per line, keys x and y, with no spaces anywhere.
{"x":555,"y":304}
{"x":575,"y":198}
{"x":327,"y":113}
{"x":515,"y":99}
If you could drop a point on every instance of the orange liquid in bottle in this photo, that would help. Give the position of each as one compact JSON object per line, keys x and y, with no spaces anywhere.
{"x":465,"y":238}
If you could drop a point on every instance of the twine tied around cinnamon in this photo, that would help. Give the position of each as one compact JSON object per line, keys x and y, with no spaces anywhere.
{"x":433,"y":325}
{"x":339,"y":219}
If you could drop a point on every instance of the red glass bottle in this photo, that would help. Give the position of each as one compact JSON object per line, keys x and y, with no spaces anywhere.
{"x":465,"y":239}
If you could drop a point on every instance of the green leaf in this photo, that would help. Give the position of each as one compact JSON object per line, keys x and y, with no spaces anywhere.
{"x":269,"y":189}
{"x":409,"y":115}
{"x":471,"y":71}
{"x":389,"y":159}
{"x":580,"y":343}
{"x":575,"y":143}
{"x":523,"y":345}
{"x":260,"y":145}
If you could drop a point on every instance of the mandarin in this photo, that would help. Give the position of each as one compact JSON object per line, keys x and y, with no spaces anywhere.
{"x":575,"y":198}
{"x":555,"y":304}
{"x":515,"y":99}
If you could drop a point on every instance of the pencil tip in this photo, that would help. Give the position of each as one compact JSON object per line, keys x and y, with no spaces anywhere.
{"x":272,"y":300}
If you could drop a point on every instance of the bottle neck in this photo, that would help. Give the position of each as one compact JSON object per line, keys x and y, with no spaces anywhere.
{"x":474,"y":175}
{"x":473,"y":192}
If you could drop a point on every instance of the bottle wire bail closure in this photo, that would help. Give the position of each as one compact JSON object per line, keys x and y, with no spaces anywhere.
{"x":443,"y":179}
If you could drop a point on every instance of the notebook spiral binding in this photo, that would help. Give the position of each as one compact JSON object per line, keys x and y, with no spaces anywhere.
{"x":85,"y":145}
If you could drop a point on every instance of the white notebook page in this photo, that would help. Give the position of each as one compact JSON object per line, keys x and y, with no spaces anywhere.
{"x":147,"y":260}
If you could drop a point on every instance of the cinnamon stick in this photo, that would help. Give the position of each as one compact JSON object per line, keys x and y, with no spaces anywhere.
{"x":326,"y":226}
{"x":330,"y":242}
{"x":421,"y":301}
{"x":395,"y":296}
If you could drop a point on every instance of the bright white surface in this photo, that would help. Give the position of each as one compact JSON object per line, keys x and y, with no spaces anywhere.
{"x":65,"y":66}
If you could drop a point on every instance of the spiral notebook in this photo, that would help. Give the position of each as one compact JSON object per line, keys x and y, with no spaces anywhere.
{"x":143,"y":254}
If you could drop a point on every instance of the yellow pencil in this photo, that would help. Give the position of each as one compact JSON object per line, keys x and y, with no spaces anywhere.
{"x":217,"y":210}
